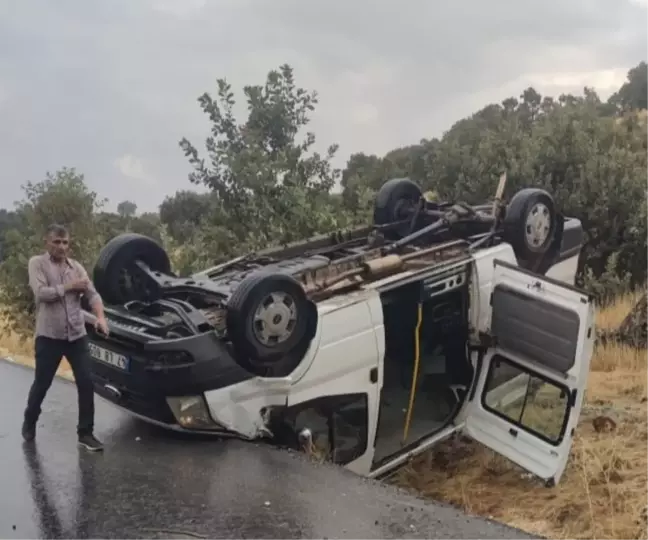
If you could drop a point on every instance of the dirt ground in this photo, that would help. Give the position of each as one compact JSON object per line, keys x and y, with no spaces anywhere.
{"x":603,"y":491}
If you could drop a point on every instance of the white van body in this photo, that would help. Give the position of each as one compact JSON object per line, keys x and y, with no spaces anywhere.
{"x":538,"y":327}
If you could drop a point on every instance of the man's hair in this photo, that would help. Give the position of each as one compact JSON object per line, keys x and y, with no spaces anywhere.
{"x":56,"y":230}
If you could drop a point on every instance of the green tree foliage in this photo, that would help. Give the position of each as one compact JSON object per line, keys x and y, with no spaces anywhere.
{"x":61,"y":198}
{"x":8,"y":220}
{"x":591,"y":155}
{"x":634,"y":92}
{"x":268,"y":185}
{"x":64,"y":198}
{"x":593,"y":164}
{"x":127,"y":209}
{"x":184,"y":212}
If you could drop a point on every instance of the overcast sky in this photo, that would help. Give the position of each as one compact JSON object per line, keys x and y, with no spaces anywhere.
{"x":110,"y":86}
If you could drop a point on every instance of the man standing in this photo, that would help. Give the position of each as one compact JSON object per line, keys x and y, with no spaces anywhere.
{"x":58,"y":283}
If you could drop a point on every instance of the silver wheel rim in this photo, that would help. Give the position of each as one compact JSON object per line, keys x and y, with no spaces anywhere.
{"x":537,"y":226}
{"x":275,"y":318}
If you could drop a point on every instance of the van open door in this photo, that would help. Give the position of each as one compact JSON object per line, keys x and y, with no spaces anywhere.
{"x":530,"y":387}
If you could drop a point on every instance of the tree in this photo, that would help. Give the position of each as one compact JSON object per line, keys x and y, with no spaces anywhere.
{"x":109,"y":224}
{"x":63,"y":198}
{"x":593,"y":164}
{"x":364,"y":174}
{"x":633,"y":94}
{"x":8,"y":221}
{"x":184,"y":212}
{"x":268,"y":186}
{"x":126,"y":209}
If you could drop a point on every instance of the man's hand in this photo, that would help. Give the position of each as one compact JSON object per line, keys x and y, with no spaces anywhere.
{"x":79,"y":285}
{"x":101,"y":325}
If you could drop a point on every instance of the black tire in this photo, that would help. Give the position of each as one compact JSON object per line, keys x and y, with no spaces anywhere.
{"x":530,"y":224}
{"x":116,"y":262}
{"x":281,"y":357}
{"x":396,"y":200}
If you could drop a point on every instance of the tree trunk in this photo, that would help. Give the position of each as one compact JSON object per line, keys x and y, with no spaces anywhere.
{"x":634,"y":328}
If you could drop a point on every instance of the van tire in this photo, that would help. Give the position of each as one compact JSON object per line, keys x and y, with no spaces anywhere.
{"x":111,"y":276}
{"x":396,"y":200}
{"x":270,"y":323}
{"x":530,"y":224}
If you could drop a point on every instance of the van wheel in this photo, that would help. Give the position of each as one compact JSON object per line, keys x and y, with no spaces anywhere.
{"x":116,"y":276}
{"x":396,"y":201}
{"x":271,"y":323}
{"x":530,"y":223}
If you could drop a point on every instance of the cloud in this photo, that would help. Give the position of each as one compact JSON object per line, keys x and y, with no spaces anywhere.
{"x":604,"y":81}
{"x":133,"y":168}
{"x":89,"y":81}
{"x":365,"y":113}
{"x":182,"y":9}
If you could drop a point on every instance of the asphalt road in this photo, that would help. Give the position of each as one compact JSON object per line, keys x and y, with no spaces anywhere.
{"x":152,"y":484}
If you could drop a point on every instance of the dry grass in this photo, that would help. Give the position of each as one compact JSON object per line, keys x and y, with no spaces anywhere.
{"x":602,"y":493}
{"x":22,"y":352}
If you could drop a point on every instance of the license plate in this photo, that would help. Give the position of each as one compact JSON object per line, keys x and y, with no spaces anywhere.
{"x":113,"y":359}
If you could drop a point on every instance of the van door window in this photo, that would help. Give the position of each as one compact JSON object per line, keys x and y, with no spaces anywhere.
{"x":527,"y":400}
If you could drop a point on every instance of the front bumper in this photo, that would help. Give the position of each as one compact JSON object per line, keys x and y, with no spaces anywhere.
{"x":158,"y":369}
{"x":174,"y":425}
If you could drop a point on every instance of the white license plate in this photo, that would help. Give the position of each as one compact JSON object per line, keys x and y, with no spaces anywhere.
{"x":118,"y":361}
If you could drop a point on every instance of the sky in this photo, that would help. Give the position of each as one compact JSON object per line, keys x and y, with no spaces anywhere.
{"x":110,"y":86}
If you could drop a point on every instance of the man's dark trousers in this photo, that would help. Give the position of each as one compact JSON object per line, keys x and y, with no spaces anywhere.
{"x":49,"y":353}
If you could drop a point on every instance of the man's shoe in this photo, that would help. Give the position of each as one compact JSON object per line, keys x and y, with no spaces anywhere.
{"x":28,"y":431}
{"x":90,"y":442}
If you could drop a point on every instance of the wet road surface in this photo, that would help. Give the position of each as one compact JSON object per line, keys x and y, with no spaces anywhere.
{"x":153,"y":484}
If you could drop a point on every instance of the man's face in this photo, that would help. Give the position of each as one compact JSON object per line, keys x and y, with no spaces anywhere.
{"x":57,"y":245}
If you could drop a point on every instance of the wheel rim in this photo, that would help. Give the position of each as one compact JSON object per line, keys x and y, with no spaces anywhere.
{"x":538,"y":225}
{"x":275,"y":318}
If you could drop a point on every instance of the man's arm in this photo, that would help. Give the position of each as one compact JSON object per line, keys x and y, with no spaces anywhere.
{"x":38,"y":283}
{"x":94,"y":298}
{"x":95,"y":301}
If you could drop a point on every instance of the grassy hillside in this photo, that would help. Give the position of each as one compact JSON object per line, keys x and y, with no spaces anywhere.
{"x":603,"y":491}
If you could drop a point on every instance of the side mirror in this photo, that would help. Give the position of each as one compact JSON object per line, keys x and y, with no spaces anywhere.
{"x":306,"y":439}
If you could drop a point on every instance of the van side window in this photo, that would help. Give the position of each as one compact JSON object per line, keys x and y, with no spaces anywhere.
{"x":527,"y":400}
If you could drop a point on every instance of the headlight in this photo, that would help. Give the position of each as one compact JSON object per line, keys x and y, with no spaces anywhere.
{"x":191,"y":412}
